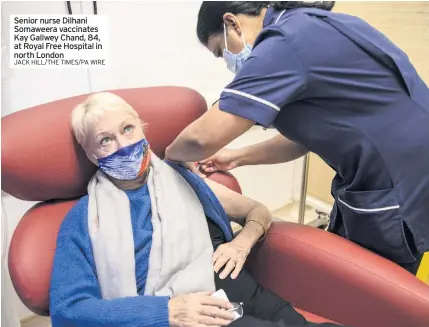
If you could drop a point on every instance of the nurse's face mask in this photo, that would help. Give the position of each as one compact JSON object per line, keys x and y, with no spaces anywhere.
{"x":234,"y":61}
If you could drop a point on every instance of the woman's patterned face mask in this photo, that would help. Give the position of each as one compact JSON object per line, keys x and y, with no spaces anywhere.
{"x":128,"y":162}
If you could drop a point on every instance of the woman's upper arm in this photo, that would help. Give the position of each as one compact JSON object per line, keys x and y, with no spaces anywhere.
{"x":236,"y":205}
{"x":73,"y":276}
{"x":271,"y":78}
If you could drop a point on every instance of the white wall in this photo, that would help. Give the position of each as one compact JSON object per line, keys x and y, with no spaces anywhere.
{"x":22,"y":88}
{"x":14,"y":209}
{"x":150,"y":43}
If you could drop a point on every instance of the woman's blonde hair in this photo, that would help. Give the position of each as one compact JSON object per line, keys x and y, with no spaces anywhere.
{"x":89,"y":112}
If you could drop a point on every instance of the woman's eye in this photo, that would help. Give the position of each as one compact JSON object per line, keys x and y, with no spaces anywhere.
{"x":105,"y":140}
{"x":128,"y":129}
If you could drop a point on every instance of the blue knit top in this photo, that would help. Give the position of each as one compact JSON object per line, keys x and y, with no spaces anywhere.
{"x":75,"y":294}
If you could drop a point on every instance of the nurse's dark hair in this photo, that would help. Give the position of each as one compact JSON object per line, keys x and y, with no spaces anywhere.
{"x":210,"y":16}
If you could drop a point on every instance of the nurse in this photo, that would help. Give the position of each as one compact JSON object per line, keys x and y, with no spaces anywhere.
{"x":333,"y":85}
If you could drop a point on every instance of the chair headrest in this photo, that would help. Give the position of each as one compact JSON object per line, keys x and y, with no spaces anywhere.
{"x":42,"y":161}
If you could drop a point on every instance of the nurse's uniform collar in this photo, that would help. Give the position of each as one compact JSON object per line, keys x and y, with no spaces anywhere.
{"x":272,"y":15}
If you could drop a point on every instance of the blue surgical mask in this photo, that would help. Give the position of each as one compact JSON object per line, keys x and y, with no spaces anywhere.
{"x":128,"y":162}
{"x":234,"y":61}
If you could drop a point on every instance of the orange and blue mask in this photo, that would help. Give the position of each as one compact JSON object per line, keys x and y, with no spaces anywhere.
{"x":128,"y":162}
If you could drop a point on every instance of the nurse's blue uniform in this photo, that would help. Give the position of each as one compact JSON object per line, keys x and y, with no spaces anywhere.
{"x":337,"y":86}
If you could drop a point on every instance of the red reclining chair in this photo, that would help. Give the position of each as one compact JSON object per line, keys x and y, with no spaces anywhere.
{"x":315,"y":270}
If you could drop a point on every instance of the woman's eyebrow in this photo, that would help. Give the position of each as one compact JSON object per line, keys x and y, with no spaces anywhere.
{"x":100,"y":133}
{"x":128,"y":120}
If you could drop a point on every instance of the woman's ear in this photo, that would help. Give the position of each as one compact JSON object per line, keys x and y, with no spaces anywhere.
{"x":143,"y":126}
{"x":232,"y":22}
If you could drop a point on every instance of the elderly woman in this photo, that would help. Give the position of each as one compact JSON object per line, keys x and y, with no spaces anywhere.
{"x":152,"y":241}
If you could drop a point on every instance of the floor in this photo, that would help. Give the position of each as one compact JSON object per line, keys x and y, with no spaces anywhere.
{"x":290,"y":213}
{"x":36,"y":322}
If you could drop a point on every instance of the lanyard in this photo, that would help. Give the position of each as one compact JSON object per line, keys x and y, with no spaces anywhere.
{"x":94,"y":7}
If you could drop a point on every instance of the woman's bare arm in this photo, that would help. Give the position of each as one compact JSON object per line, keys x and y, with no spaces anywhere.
{"x":252,"y":215}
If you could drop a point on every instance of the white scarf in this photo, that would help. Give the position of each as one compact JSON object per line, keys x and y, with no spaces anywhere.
{"x":180,"y":260}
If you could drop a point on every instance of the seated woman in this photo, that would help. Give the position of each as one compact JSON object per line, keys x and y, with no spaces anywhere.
{"x":152,"y":241}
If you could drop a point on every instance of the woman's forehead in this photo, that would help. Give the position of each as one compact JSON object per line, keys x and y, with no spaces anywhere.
{"x":109,"y":119}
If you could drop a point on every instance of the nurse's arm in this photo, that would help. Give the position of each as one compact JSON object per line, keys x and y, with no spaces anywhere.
{"x":273,"y":151}
{"x":207,"y":135}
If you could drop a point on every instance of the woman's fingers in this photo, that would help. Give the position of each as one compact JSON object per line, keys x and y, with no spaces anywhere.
{"x":238,"y":267}
{"x":210,"y":321}
{"x":215,"y":302}
{"x":220,"y":262}
{"x":228,"y":269}
{"x":218,"y":253}
{"x":206,"y":293}
{"x":216,"y":312}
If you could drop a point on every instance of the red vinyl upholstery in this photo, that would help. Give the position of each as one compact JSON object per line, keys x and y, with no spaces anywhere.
{"x":329,"y":276}
{"x":41,"y":160}
{"x":316,"y":271}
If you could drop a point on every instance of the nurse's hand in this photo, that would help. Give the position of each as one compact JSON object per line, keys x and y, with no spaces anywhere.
{"x":223,"y":160}
{"x":232,"y":256}
{"x":192,"y":166}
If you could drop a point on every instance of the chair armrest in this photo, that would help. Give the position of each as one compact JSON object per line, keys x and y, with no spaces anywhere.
{"x":227,"y":179}
{"x":32,"y":250}
{"x":327,"y":275}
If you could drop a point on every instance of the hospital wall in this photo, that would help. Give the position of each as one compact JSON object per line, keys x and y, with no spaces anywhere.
{"x":407,"y":25}
{"x":152,"y":43}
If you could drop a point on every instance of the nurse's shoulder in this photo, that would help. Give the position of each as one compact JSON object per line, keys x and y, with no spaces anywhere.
{"x":301,"y":25}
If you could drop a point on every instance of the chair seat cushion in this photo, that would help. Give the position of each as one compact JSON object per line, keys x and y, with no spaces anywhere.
{"x":313,"y":318}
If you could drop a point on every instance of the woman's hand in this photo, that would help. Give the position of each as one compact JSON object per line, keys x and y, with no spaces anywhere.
{"x":223,"y":160}
{"x":232,"y":257}
{"x":199,"y":310}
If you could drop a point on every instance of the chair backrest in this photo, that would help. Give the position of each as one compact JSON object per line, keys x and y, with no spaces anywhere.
{"x":42,"y":162}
